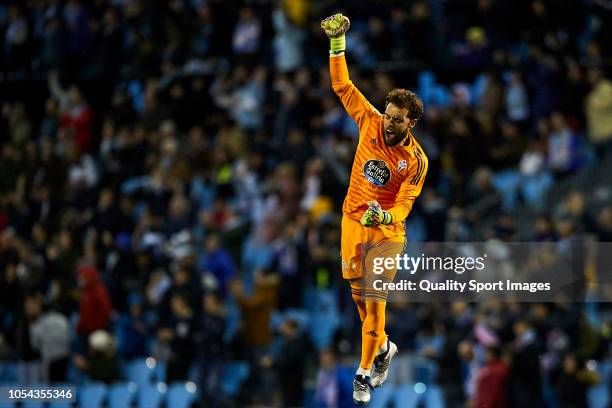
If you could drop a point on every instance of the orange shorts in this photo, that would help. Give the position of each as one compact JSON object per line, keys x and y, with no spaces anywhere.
{"x":358,"y":241}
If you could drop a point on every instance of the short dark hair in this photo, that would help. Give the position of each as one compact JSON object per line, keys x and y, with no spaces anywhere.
{"x":405,"y":99}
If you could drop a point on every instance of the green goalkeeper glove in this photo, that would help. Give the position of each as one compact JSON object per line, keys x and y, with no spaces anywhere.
{"x":335,"y":27}
{"x":375,"y":215}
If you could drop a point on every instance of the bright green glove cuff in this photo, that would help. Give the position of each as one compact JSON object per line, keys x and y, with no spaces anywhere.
{"x":337,"y":45}
{"x":386,"y":218}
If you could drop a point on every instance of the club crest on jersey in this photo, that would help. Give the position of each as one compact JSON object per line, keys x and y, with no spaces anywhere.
{"x":377,"y":172}
{"x":401,"y":165}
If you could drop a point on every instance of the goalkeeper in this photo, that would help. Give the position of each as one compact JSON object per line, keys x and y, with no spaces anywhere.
{"x":387,"y":176}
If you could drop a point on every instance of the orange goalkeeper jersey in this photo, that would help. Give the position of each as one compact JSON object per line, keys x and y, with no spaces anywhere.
{"x":393,"y":176}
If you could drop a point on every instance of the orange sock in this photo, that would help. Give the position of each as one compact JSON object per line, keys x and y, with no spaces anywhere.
{"x":372,"y":332}
{"x":359,"y":298}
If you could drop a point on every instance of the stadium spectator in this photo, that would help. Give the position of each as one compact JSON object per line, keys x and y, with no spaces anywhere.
{"x":563,"y":147}
{"x":290,"y":362}
{"x":256,"y":309}
{"x":51,"y":337}
{"x":598,"y":107}
{"x":574,"y":382}
{"x":178,"y":332}
{"x":525,"y":380}
{"x":491,"y":383}
{"x":95,"y":304}
{"x":217,"y":262}
{"x":133,"y":330}
{"x":210,"y":346}
{"x":517,"y":102}
{"x":334,"y":382}
{"x":16,"y":40}
{"x":247,"y":33}
{"x":75,"y":113}
{"x":100,"y":362}
{"x":29,"y":356}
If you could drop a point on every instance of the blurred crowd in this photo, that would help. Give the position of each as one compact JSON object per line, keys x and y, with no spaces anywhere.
{"x":172,"y":173}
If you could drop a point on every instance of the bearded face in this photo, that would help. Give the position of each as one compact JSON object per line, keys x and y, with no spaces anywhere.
{"x":396,"y":124}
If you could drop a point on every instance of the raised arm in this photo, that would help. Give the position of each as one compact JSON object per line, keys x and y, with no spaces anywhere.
{"x":354,"y":102}
{"x":56,"y":89}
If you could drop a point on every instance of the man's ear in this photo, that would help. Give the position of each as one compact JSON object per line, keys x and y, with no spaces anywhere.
{"x":412,"y":123}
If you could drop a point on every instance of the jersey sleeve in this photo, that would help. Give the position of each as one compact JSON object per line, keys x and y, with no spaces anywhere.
{"x":410,"y":189}
{"x":354,"y":102}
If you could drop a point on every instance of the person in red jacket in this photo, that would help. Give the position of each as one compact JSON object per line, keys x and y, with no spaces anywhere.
{"x":492,"y":382}
{"x":95,"y":304}
{"x":76,"y":114}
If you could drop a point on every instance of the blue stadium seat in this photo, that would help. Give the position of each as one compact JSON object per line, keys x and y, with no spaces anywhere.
{"x":605,"y":371}
{"x":309,"y":396}
{"x":140,"y":371}
{"x":8,"y":384}
{"x":159,"y":372}
{"x":477,"y":89}
{"x":426,"y":86}
{"x":382,"y":396}
{"x":92,"y":395}
{"x":121,"y":395}
{"x":507,"y":183}
{"x":76,"y":376}
{"x":599,"y":396}
{"x":327,"y":319}
{"x":424,"y":370}
{"x":32,"y":404}
{"x":181,"y":395}
{"x":534,"y":189}
{"x":299,"y":315}
{"x":234,"y":374}
{"x":60,"y":404}
{"x":441,"y":96}
{"x":151,"y":395}
{"x":8,"y":372}
{"x":406,"y":397}
{"x":433,"y":397}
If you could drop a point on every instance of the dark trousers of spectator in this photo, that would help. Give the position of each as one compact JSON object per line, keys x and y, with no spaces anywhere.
{"x":290,"y":292}
{"x":603,"y":149}
{"x":453,"y":395}
{"x":209,"y":381}
{"x":178,"y":369}
{"x":57,"y":370}
{"x":523,"y":396}
{"x":260,"y":385}
{"x":291,"y":389}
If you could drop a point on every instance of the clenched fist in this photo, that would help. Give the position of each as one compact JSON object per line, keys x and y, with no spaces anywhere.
{"x":335,"y":26}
